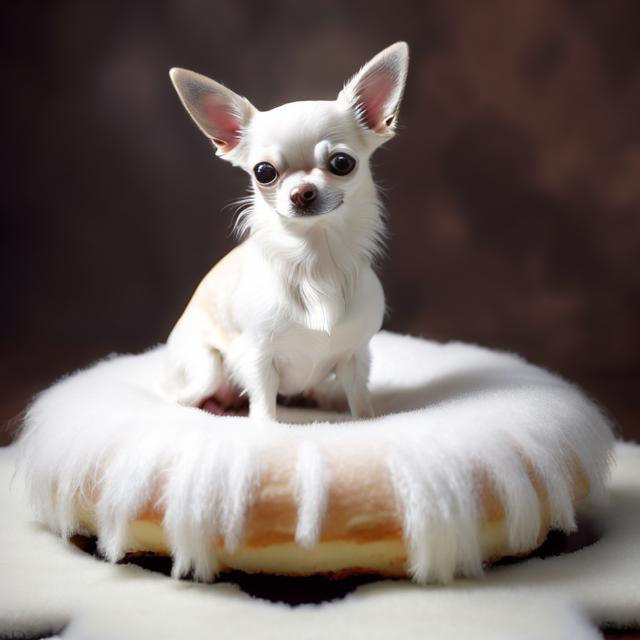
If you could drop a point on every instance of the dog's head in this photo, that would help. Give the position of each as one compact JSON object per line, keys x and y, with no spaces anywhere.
{"x":306,"y":159}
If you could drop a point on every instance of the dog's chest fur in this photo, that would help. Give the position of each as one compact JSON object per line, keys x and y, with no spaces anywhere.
{"x":318,"y":310}
{"x":304,"y":355}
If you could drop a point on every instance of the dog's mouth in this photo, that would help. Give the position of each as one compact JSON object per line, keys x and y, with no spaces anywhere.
{"x":318,"y":208}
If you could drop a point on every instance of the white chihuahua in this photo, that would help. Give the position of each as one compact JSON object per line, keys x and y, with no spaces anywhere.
{"x":292,"y":309}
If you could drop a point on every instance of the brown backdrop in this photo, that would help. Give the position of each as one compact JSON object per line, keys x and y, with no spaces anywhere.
{"x":513,"y":188}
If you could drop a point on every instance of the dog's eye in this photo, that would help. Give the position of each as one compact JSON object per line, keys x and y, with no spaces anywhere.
{"x":341,"y":164}
{"x":265,"y":173}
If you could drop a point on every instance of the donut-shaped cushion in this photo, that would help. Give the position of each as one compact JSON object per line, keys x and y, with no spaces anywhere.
{"x":474,"y":455}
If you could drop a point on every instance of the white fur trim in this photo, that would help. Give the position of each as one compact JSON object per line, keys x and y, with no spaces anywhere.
{"x":312,"y":486}
{"x":447,"y":408}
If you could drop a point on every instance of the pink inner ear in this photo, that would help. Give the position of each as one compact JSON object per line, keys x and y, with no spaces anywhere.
{"x":223,"y":126}
{"x":374,"y":97}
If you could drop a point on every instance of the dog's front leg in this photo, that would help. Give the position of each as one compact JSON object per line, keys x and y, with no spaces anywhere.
{"x":263,"y":393}
{"x":353,"y":374}
{"x":253,"y":365}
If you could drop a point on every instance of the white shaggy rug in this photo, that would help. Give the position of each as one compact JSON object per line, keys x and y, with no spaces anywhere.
{"x":444,"y":409}
{"x":48,"y":584}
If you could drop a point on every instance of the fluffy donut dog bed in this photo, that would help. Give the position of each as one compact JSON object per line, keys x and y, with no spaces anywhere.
{"x":474,"y":455}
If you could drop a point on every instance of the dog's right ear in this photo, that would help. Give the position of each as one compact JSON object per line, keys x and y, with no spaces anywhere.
{"x":375,"y":92}
{"x":221,"y":114}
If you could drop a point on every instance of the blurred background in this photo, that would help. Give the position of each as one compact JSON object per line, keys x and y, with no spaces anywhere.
{"x":513,"y":187}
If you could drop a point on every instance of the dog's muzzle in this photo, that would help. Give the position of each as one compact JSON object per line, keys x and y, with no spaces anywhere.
{"x":307,"y":201}
{"x":303,"y":195}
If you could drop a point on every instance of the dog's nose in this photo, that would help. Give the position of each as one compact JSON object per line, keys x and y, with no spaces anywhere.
{"x":303,"y":195}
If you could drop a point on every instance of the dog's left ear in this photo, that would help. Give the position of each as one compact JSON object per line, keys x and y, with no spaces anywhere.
{"x":221,"y":114}
{"x":376,"y":90}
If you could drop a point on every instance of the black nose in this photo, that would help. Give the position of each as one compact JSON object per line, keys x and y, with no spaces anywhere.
{"x":303,"y":195}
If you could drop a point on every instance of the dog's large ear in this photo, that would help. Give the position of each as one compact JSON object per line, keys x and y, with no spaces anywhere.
{"x":221,"y":114}
{"x":376,"y":90}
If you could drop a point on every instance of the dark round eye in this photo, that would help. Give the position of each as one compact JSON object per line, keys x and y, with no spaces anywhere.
{"x":265,"y":173}
{"x":341,"y":164}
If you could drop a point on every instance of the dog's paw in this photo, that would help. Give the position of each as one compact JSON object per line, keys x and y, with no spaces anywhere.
{"x":189,"y":395}
{"x":190,"y":381}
